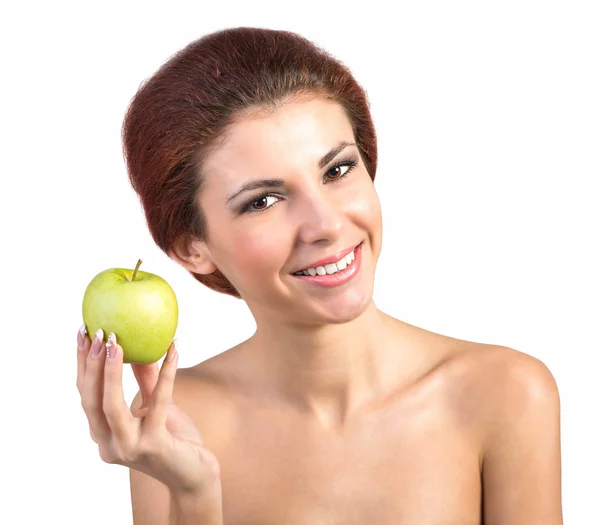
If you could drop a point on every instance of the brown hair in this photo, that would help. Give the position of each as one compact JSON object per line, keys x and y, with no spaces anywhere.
{"x":180,"y":114}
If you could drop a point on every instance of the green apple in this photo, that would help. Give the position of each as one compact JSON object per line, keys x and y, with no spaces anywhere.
{"x":139,"y":307}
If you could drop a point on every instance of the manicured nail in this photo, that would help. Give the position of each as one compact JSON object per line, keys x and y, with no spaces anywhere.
{"x":111,"y":346}
{"x":81,"y":336}
{"x":172,"y":351}
{"x":97,"y":344}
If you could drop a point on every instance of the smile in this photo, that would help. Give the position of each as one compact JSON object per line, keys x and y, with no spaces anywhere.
{"x":330,"y":269}
{"x":334,"y":274}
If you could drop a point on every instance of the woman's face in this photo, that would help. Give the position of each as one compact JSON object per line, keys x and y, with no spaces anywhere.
{"x":259,"y":241}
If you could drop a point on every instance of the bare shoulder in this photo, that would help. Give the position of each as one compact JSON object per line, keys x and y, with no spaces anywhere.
{"x":520,"y":449}
{"x":517,"y":387}
{"x":492,"y":384}
{"x":507,"y":402}
{"x":200,"y":391}
{"x":497,"y":372}
{"x":512,"y":375}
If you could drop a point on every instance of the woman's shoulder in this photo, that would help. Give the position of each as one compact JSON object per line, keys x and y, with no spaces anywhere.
{"x":202,"y":392}
{"x":501,"y":369}
{"x":472,"y":368}
{"x":487,"y":380}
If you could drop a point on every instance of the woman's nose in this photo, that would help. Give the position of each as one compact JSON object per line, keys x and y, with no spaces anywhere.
{"x":319,"y":218}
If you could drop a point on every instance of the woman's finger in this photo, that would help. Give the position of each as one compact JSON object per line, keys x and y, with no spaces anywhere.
{"x":120,"y":420}
{"x":83,"y":347}
{"x":162,"y":396}
{"x":146,"y":376}
{"x":93,"y":388}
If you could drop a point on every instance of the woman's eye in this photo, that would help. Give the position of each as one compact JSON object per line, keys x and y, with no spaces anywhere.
{"x":337,"y":167}
{"x":261,"y":199}
{"x":349,"y":164}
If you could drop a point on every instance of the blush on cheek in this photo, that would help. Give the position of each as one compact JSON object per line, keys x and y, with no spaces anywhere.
{"x":258,"y":254}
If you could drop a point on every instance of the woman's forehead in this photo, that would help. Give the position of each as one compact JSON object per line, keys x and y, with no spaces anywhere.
{"x":300,"y":128}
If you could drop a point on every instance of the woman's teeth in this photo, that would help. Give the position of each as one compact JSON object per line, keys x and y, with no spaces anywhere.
{"x":329,"y":268}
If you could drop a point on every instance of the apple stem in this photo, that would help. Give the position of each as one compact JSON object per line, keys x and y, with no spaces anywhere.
{"x":136,"y":269}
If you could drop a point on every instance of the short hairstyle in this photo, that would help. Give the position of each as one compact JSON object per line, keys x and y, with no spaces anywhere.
{"x":183,"y":111}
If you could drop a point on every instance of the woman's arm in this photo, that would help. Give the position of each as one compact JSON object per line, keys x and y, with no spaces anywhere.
{"x":149,"y":499}
{"x":521,"y":454}
{"x":153,"y":503}
{"x":205,"y":509}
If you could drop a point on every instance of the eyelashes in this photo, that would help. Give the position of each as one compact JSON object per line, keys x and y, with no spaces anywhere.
{"x":350,"y":163}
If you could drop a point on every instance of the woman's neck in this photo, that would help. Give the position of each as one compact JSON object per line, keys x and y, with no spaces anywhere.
{"x":329,"y":373}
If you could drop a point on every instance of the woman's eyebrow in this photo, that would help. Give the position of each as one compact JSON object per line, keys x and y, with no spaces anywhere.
{"x":273,"y":183}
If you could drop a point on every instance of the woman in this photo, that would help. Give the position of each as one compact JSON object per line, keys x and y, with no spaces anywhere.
{"x":254,"y":154}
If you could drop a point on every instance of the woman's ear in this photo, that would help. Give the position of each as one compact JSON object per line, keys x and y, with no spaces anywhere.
{"x":192,"y":254}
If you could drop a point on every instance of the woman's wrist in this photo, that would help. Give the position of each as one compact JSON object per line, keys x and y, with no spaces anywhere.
{"x":198,"y":508}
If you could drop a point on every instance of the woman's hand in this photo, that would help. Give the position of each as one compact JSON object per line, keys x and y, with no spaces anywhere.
{"x":157,"y":438}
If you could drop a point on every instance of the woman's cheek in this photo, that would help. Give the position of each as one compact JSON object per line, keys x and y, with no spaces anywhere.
{"x":258,"y":253}
{"x":362,"y":203}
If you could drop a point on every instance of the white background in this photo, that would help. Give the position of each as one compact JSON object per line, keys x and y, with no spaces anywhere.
{"x":488,"y":119}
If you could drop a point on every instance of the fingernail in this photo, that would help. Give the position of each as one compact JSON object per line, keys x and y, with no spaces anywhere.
{"x":81,"y":336}
{"x":97,"y":344}
{"x":111,"y":346}
{"x":172,"y":351}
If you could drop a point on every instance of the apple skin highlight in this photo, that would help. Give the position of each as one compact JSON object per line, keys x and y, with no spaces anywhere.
{"x":142,"y":312}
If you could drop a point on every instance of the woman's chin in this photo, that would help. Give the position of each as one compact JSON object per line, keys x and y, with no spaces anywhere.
{"x":336,"y":311}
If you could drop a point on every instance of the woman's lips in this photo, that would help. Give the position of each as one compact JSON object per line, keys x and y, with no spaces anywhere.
{"x":338,"y":278}
{"x":329,"y":260}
